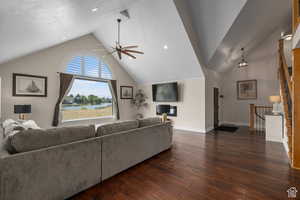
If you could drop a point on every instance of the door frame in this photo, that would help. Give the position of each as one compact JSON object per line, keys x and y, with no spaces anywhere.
{"x":216,"y":104}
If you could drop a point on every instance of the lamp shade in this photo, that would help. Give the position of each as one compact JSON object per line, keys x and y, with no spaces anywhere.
{"x":275,"y":99}
{"x":21,"y":109}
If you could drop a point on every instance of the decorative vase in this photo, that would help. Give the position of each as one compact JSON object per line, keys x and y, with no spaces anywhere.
{"x":164,"y":117}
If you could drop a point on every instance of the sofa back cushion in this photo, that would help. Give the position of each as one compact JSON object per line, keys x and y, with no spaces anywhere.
{"x":149,"y":121}
{"x":116,"y":127}
{"x":37,"y":139}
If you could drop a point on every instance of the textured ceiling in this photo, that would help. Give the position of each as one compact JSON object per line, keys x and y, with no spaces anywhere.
{"x":30,"y":25}
{"x":221,"y":27}
{"x":256,"y":22}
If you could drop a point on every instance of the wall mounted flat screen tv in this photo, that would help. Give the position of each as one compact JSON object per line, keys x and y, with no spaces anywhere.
{"x":166,"y":92}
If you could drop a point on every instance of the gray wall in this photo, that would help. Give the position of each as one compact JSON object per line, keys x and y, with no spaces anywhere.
{"x":47,"y":63}
{"x":211,"y":20}
{"x":263,"y":65}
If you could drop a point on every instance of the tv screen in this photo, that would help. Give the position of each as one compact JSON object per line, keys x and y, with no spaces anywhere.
{"x":166,"y":92}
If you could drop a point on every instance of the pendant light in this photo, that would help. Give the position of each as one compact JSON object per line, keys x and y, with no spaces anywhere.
{"x":243,"y":62}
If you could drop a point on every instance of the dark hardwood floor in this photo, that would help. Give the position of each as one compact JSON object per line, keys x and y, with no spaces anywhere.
{"x":215,"y":166}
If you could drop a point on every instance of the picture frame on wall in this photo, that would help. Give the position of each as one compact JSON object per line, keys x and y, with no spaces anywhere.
{"x":247,"y":90}
{"x":126,"y":92}
{"x":25,"y":85}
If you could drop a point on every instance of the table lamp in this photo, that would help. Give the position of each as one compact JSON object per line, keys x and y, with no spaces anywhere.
{"x":21,"y":110}
{"x":276,"y":104}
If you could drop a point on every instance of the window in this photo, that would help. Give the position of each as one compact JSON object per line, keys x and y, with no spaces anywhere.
{"x":88,"y":98}
{"x":89,"y":66}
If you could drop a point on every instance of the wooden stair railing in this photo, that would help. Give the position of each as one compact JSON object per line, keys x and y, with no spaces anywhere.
{"x":284,"y":67}
{"x":257,"y":117}
{"x":286,"y":93}
{"x":296,"y":16}
{"x":252,"y":117}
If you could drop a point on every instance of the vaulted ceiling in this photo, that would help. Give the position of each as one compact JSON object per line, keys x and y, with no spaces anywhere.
{"x":220,"y":28}
{"x":257,"y":21}
{"x":211,"y":20}
{"x":153,"y":25}
{"x":30,"y":25}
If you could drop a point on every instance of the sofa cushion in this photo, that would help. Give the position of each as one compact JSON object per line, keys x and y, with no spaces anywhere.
{"x":149,"y":121}
{"x":6,"y":144}
{"x":116,"y":127}
{"x":36,"y":139}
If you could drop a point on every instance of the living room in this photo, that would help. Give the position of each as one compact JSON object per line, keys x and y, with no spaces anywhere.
{"x":98,"y":98}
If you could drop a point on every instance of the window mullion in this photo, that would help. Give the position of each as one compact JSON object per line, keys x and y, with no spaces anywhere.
{"x":89,"y":66}
{"x":100,"y":69}
{"x":82,"y":66}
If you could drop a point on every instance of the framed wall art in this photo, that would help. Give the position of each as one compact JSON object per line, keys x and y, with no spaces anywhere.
{"x":29,"y":85}
{"x":247,"y":90}
{"x":126,"y":92}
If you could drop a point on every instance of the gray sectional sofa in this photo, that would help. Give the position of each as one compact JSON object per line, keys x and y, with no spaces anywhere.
{"x":55,"y":164}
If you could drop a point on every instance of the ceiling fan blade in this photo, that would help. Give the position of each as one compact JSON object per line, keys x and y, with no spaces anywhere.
{"x":120,"y":55}
{"x":133,"y":51}
{"x":128,"y":54}
{"x":130,"y":47}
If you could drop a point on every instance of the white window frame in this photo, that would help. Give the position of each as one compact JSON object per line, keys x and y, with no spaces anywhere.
{"x":100,"y":65}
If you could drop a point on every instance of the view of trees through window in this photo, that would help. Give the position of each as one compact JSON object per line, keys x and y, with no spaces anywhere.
{"x":87,"y":99}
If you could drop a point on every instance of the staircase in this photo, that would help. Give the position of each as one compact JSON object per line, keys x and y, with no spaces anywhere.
{"x":286,"y":92}
{"x":257,"y":118}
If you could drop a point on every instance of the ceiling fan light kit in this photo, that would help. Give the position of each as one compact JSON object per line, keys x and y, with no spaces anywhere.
{"x":124,"y":50}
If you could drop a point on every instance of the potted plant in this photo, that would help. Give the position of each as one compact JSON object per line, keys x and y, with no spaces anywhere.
{"x":139,"y":101}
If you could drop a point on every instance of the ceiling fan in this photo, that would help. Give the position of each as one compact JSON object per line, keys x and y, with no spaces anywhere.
{"x":128,"y":50}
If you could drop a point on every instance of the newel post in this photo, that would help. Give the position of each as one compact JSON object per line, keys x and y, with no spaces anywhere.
{"x":252,"y":114}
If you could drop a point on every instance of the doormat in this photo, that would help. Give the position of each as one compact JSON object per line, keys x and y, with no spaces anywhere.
{"x":227,"y":128}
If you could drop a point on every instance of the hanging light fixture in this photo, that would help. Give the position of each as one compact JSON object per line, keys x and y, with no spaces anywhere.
{"x":243,"y":62}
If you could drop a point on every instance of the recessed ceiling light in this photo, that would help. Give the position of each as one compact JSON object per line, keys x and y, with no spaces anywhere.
{"x":94,"y":9}
{"x":166,"y":47}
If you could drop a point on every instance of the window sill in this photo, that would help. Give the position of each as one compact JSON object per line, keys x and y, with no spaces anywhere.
{"x":87,"y":119}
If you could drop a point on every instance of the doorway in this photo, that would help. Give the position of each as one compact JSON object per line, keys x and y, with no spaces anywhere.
{"x":216,"y":108}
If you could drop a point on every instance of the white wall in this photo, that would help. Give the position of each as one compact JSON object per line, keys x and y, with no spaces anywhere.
{"x":190,"y":108}
{"x":47,"y":63}
{"x":263,"y":65}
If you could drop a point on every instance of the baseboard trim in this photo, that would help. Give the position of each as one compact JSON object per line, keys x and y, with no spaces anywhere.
{"x":189,"y":129}
{"x":297,"y":168}
{"x":286,"y":147}
{"x":209,"y":129}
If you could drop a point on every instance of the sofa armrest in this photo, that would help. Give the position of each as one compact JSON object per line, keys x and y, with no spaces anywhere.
{"x":125,"y":149}
{"x":52,"y":173}
{"x":4,"y":153}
